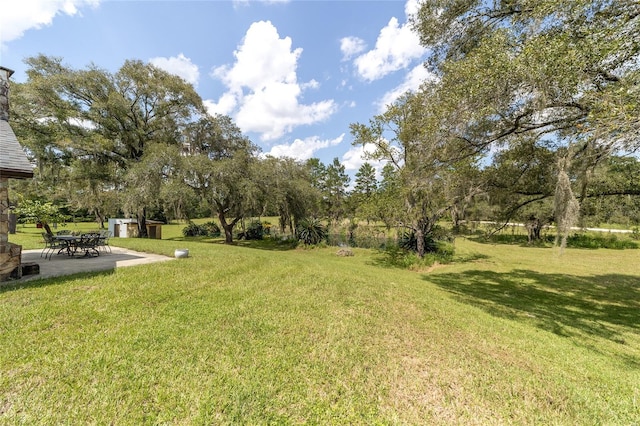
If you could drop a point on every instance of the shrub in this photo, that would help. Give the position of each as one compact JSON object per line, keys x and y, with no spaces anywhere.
{"x":191,"y":230}
{"x":255,"y":231}
{"x":266,"y":226}
{"x":311,"y":231}
{"x":610,"y":241}
{"x":519,"y":239}
{"x":397,"y":257}
{"x":209,"y":229}
{"x":444,"y":251}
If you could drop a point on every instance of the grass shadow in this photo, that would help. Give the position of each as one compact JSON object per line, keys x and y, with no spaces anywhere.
{"x":199,"y":239}
{"x":35,"y":282}
{"x":265,"y":244}
{"x":602,"y":305}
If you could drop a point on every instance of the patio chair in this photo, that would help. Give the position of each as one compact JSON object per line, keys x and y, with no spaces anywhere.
{"x":52,"y":246}
{"x":89,"y":244}
{"x":47,"y":244}
{"x":103,"y":241}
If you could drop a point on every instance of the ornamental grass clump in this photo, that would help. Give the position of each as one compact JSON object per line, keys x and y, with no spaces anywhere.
{"x":311,"y":231}
{"x":407,"y":240}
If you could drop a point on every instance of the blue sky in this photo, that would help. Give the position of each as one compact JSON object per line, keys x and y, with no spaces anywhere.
{"x":292,"y":74}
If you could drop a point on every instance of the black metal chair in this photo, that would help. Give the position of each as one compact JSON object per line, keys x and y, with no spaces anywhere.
{"x":89,"y":244}
{"x":52,"y":246}
{"x":103,"y":241}
{"x":47,"y":244}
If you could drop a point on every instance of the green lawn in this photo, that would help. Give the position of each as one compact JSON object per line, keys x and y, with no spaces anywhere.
{"x":256,"y":334}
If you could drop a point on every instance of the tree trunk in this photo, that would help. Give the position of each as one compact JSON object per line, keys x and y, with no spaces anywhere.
{"x":536,"y":231}
{"x":420,"y":240}
{"x":142,"y":224}
{"x":534,"y":227}
{"x":46,"y":227}
{"x":228,"y":233}
{"x":455,"y":218}
{"x":227,"y":227}
{"x":292,"y":229}
{"x":99,"y":218}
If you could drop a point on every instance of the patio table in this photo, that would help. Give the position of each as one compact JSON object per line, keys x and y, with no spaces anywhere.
{"x":73,"y":243}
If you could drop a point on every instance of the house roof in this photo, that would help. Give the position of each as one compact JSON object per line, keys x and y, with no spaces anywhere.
{"x":13,"y":161}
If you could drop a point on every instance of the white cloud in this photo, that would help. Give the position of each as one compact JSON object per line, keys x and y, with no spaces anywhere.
{"x":411,"y":7}
{"x":262,"y":59}
{"x":19,"y":16}
{"x":264,"y":86}
{"x":313,"y":84}
{"x":225,"y":105}
{"x":303,"y":149}
{"x":274,"y":111}
{"x":351,"y":46}
{"x":179,"y":65}
{"x":411,"y":82}
{"x":396,"y":48}
{"x":354,"y":158}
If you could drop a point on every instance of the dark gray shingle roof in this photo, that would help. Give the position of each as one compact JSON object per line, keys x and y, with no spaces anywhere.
{"x":13,"y":161}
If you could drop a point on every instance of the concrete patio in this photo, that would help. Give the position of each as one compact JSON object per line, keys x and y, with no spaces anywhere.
{"x":62,"y":264}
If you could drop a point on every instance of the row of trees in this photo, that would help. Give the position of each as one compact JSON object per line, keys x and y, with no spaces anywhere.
{"x":529,"y":115}
{"x":138,"y":142}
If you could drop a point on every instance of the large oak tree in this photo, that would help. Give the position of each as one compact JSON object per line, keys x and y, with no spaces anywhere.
{"x":565,"y":70}
{"x":106,"y":122}
{"x":220,"y":166}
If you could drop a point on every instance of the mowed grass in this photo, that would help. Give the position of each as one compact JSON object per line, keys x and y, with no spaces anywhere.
{"x":259,"y":334}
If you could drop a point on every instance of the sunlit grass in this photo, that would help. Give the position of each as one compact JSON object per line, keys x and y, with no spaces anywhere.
{"x":267,"y":334}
